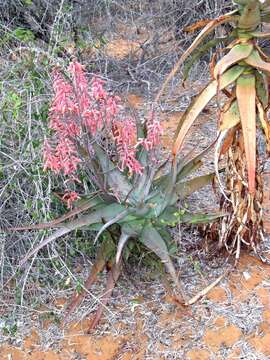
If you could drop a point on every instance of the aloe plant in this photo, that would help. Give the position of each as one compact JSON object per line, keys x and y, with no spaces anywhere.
{"x":135,"y":192}
{"x":240,"y":84}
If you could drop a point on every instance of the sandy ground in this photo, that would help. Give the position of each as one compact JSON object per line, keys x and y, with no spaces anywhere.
{"x":231,"y":322}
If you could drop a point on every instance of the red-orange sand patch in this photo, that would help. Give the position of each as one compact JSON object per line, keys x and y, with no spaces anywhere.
{"x":11,"y":353}
{"x":234,"y":354}
{"x":198,"y":354}
{"x":217,"y":294}
{"x":220,"y":322}
{"x":226,"y":336}
{"x":135,"y":101}
{"x":122,"y":48}
{"x":264,"y":296}
{"x":250,"y":280}
{"x":261,"y":344}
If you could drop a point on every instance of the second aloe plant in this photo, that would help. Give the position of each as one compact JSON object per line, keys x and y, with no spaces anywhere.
{"x":240,"y":85}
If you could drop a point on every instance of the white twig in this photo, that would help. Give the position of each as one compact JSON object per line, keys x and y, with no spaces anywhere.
{"x":205,"y":290}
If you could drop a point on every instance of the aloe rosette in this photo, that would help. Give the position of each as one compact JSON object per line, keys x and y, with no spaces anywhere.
{"x":135,"y":194}
{"x":240,"y":84}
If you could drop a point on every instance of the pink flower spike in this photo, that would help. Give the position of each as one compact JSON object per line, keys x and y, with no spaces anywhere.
{"x":69,"y":197}
{"x":112,"y":108}
{"x":154,"y":133}
{"x":63,"y":101}
{"x":98,"y":91}
{"x":81,"y":85}
{"x":67,"y":155}
{"x":93,"y":120}
{"x":50,"y":160}
{"x":125,"y":135}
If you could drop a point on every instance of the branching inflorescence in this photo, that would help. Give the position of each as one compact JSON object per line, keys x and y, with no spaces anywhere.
{"x":79,"y":114}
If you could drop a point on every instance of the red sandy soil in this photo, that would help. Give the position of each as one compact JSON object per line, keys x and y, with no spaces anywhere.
{"x":248,"y":281}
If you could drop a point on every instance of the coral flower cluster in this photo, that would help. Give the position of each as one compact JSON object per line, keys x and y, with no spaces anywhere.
{"x":77,"y":110}
{"x":125,"y":135}
{"x":154,"y":132}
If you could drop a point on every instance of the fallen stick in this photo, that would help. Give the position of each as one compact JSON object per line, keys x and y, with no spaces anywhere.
{"x":205,"y":290}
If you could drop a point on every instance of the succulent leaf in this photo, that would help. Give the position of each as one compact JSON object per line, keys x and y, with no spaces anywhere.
{"x":107,"y":213}
{"x":230,"y":117}
{"x":250,"y":17}
{"x":113,"y":176}
{"x":128,"y":230}
{"x":133,"y":228}
{"x":151,"y":238}
{"x":145,"y":183}
{"x":230,"y":17}
{"x":104,"y":253}
{"x":237,"y":53}
{"x":111,"y":281}
{"x":256,"y":61}
{"x":198,"y":53}
{"x":219,"y":146}
{"x":171,"y":216}
{"x":197,"y":25}
{"x":201,"y":101}
{"x":227,"y":141}
{"x":189,"y":167}
{"x":121,"y":243}
{"x":265,"y":124}
{"x":260,"y":35}
{"x":82,"y":205}
{"x":246,"y":97}
{"x":192,"y":165}
{"x":184,"y":189}
{"x":262,"y":88}
{"x":117,"y":218}
{"x":190,"y":218}
{"x":140,"y":179}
